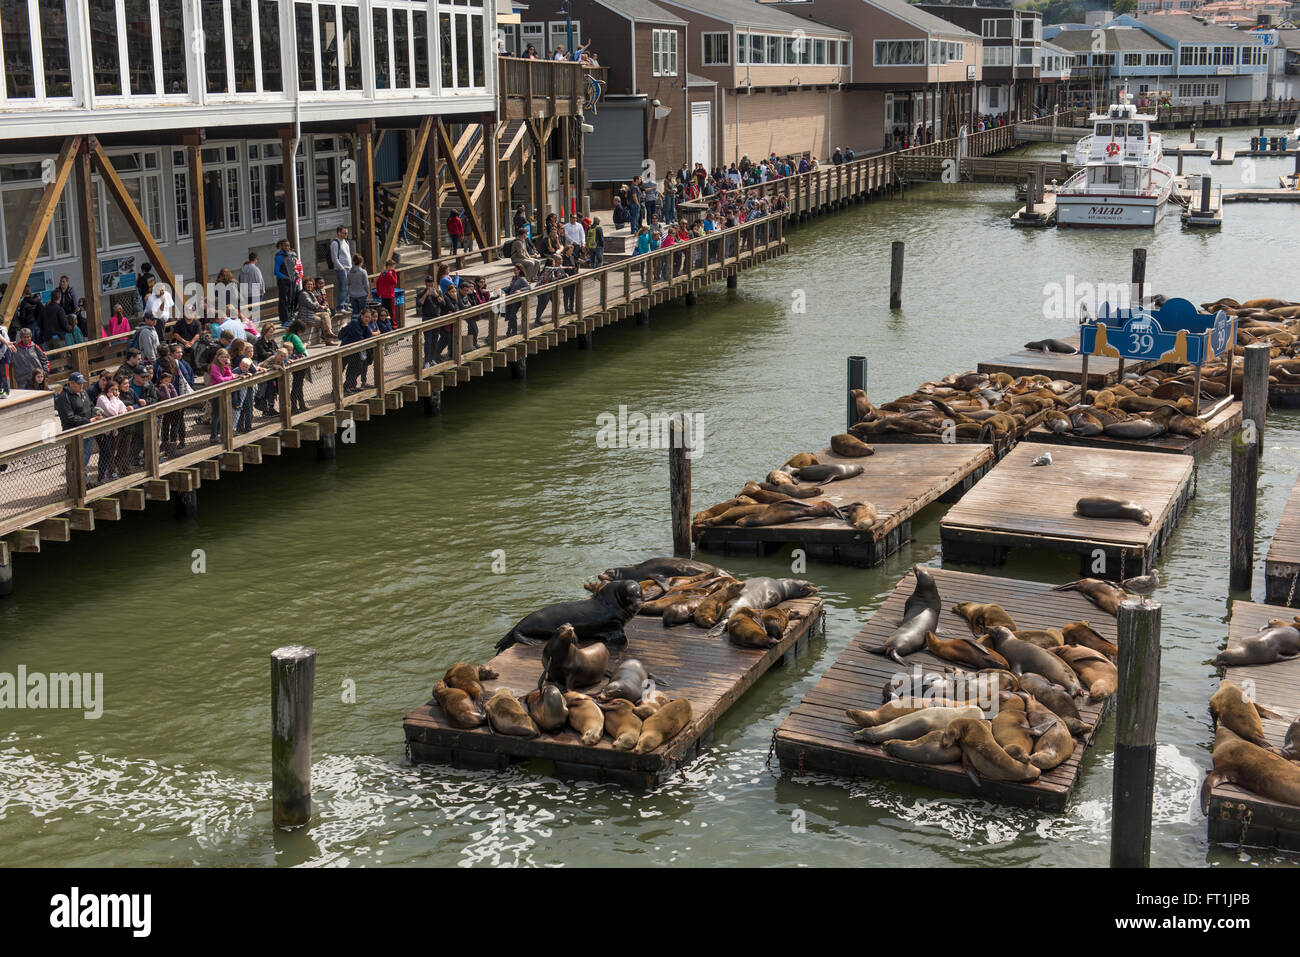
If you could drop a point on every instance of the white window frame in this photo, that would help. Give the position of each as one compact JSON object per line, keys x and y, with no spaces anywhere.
{"x":705,"y":59}
{"x":558,"y":28}
{"x":916,"y":61}
{"x":659,"y":63}
{"x":180,"y":183}
{"x":49,"y":250}
{"x":487,"y":54}
{"x":151,"y":184}
{"x":989,"y":28}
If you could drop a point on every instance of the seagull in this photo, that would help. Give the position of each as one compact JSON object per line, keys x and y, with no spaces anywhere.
{"x":1143,"y":585}
{"x":1044,"y":459}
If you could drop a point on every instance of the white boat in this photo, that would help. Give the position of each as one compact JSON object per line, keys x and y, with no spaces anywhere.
{"x":1123,"y":181}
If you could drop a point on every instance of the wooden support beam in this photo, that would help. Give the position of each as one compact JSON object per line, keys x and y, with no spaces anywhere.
{"x":198,"y":210}
{"x":410,"y":392}
{"x":423,"y":388}
{"x":5,"y":558}
{"x":393,"y":401}
{"x":132,"y":499}
{"x":82,"y":519}
{"x":157,"y":490}
{"x":232,"y":461}
{"x":210,"y":469}
{"x":309,"y":432}
{"x":328,"y":424}
{"x":26,"y":540}
{"x":360,"y":412}
{"x":270,"y":445}
{"x":453,"y":167}
{"x":182,"y":480}
{"x":55,"y":530}
{"x":252,"y":454}
{"x":89,"y":251}
{"x":107,"y":509}
{"x":403,"y":201}
{"x":40,"y":224}
{"x":291,"y":439}
{"x":366,"y":242}
{"x":117,"y":192}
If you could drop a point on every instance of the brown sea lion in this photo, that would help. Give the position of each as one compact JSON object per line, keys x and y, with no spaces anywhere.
{"x":585,"y":717}
{"x":825,"y":474}
{"x":1081,"y":633}
{"x":732,"y":515}
{"x":1025,"y":657}
{"x":710,"y":611}
{"x":1291,"y":743}
{"x":861,"y":515}
{"x":783,"y":513}
{"x":1055,"y":744}
{"x":775,"y":621}
{"x":1275,"y":642}
{"x":1006,"y":680}
{"x":1267,"y":774}
{"x":1107,"y":506}
{"x":779,"y":480}
{"x":1230,"y":708}
{"x":467,"y":678}
{"x":850,"y":446}
{"x":982,"y":756}
{"x":746,"y":628}
{"x":926,"y":749}
{"x":682,"y":610}
{"x":650,"y":703}
{"x":1057,"y":700}
{"x":703,"y":517}
{"x":547,"y":708}
{"x":622,"y":724}
{"x":1097,"y":672}
{"x":983,"y":617}
{"x":911,"y":726}
{"x":1044,"y":638}
{"x":459,"y":707}
{"x":801,"y":460}
{"x":508,"y":716}
{"x":792,"y":490}
{"x":664,"y":725}
{"x":569,"y":664}
{"x":1010,"y":727}
{"x":862,"y":406}
{"x":1105,"y":595}
{"x":762,"y":496}
{"x":895,"y":709}
{"x":964,"y":651}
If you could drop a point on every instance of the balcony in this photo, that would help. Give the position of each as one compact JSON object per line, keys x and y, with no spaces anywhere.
{"x":550,"y":87}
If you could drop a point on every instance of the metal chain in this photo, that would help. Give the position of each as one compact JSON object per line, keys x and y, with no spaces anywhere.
{"x":1196,"y":474}
{"x":1290,"y":595}
{"x":771,"y":750}
{"x":1123,"y":554}
{"x":1244,"y":814}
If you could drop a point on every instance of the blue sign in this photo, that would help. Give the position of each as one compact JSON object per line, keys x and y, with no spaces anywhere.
{"x":1176,"y":332}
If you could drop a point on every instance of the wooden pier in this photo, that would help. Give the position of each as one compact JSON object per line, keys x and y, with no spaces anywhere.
{"x":817,"y":736}
{"x":711,"y":673}
{"x":1044,"y":212}
{"x":1237,"y":816}
{"x":1019,"y":505}
{"x":1282,"y":564}
{"x":1223,"y":422}
{"x":899,"y":480}
{"x":1058,"y":365}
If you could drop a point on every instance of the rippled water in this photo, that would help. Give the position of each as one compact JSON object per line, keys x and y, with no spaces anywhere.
{"x":382,"y":561}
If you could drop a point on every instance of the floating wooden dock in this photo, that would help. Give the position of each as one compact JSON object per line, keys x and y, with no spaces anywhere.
{"x":1058,"y":365}
{"x":1282,"y":565}
{"x":817,"y":736}
{"x":1237,"y":816}
{"x":899,"y":480}
{"x":1218,"y":426}
{"x":1043,"y":213}
{"x":712,"y":673}
{"x":1019,"y":505}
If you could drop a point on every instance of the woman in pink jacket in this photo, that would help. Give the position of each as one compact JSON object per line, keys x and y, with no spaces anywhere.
{"x":219,"y":372}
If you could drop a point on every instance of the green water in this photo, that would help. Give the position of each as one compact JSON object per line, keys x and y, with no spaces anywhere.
{"x":382,"y":561}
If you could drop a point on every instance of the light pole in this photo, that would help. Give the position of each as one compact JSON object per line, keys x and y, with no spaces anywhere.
{"x":568,"y":28}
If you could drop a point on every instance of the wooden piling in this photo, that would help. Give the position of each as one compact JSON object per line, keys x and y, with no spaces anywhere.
{"x":1244,"y":497}
{"x":857,"y":380}
{"x":1139,"y":277}
{"x":1205,"y":193}
{"x":187,"y":504}
{"x":679,"y":476}
{"x":896,"y":275}
{"x":1220,"y":147}
{"x":433,"y":403}
{"x":1029,"y":193}
{"x":327,"y":447}
{"x":1180,"y":162}
{"x":293,"y":683}
{"x":1254,"y":391}
{"x":519,"y":368}
{"x":1133,"y":787}
{"x":733,"y":281}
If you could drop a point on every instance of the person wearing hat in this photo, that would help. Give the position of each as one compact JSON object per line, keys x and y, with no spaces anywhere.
{"x":75,"y":410}
{"x":143,"y":393}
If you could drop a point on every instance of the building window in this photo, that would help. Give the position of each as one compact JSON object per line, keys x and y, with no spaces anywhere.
{"x":268,"y":30}
{"x":1132,"y":59}
{"x":1030,"y":28}
{"x":899,"y":52}
{"x":328,"y":153}
{"x":717,"y":49}
{"x":462,"y":44}
{"x":140,"y":174}
{"x":997,"y":56}
{"x":560,"y":37}
{"x":266,"y":189}
{"x":221,"y":200}
{"x":21,"y":190}
{"x":663,"y":53}
{"x":534,"y":35}
{"x":996,"y":29}
{"x":1160,"y":59}
{"x":181,"y":193}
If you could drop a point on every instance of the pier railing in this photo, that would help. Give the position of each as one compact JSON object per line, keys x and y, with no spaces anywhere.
{"x":46,"y":486}
{"x":1208,"y":114}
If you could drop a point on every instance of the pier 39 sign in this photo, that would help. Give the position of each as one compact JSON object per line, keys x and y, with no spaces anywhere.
{"x":1176,"y":332}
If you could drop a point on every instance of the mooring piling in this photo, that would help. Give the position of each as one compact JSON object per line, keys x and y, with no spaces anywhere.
{"x":679,"y":477}
{"x":1254,"y":390}
{"x":896,"y":275}
{"x":857,"y":380}
{"x":293,"y":684}
{"x":1133,"y":784}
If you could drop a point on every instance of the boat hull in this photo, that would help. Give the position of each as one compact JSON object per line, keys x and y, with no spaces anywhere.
{"x":1107,"y":212}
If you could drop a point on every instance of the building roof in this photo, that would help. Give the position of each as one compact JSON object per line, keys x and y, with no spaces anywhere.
{"x":641,"y":11}
{"x":922,"y":19}
{"x":1185,"y":29}
{"x":1116,"y":40}
{"x":756,"y":16}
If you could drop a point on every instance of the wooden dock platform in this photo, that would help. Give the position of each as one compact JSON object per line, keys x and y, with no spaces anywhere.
{"x":1282,"y":564}
{"x":1043,"y":213}
{"x":817,"y":736}
{"x":712,"y":673}
{"x":1220,"y":425}
{"x":1019,"y":505}
{"x":899,"y":480}
{"x":1101,"y":369}
{"x":1237,"y":816}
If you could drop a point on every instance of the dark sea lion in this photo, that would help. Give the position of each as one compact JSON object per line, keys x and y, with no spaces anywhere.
{"x":763,"y":592}
{"x":709,"y":611}
{"x":1057,"y":422}
{"x":1082,"y":633}
{"x":622,"y":724}
{"x":585,"y":717}
{"x":746,"y":629}
{"x":982,"y":617}
{"x":656,"y":608}
{"x":926,"y":749}
{"x":629,"y":681}
{"x":1055,"y":744}
{"x":1105,"y":506}
{"x":1051,"y":345}
{"x":1267,"y":774}
{"x":461,"y":710}
{"x":912,"y":726}
{"x":598,"y":618}
{"x":666,"y":567}
{"x":569,"y":665}
{"x":664,"y":725}
{"x":1048,"y":638}
{"x":1010,"y":727}
{"x":1273,"y":643}
{"x":1229,"y":707}
{"x":920,"y":614}
{"x":1097,"y":672}
{"x":508,"y":716}
{"x":1105,"y":595}
{"x":824,"y":474}
{"x":467,"y":678}
{"x":964,"y":651}
{"x":1291,"y":743}
{"x":783,"y":513}
{"x":547,"y":708}
{"x":850,"y":446}
{"x":800,"y":460}
{"x":1135,"y":429}
{"x":792,"y":490}
{"x":1025,"y":657}
{"x":682,"y":611}
{"x":1057,"y":700}
{"x":982,"y":756}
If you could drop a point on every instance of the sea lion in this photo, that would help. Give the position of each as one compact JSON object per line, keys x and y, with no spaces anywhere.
{"x":650,"y":703}
{"x":964,"y":651}
{"x":1081,"y":633}
{"x":1051,"y":345}
{"x":1135,"y":429}
{"x":1105,"y":595}
{"x":663,"y":725}
{"x":665,"y":567}
{"x":546,"y":707}
{"x":983,"y":617}
{"x":1275,"y":642}
{"x":920,"y":614}
{"x":1024,"y":657}
{"x":1055,"y":699}
{"x":598,"y":618}
{"x":763,"y":592}
{"x":911,"y":726}
{"x":775,"y":620}
{"x":733,"y":515}
{"x":710,"y":610}
{"x":1048,"y":638}
{"x":1291,"y":743}
{"x":622,"y":724}
{"x":825,"y":474}
{"x":1267,"y":774}
{"x":585,"y":717}
{"x":461,"y":709}
{"x":1105,"y":506}
{"x":706,"y":516}
{"x":779,"y":481}
{"x":800,"y":460}
{"x":1006,"y":680}
{"x":927,"y":749}
{"x":861,"y":515}
{"x":570,"y":665}
{"x":629,"y":681}
{"x":982,"y":756}
{"x":1097,"y":672}
{"x":792,"y":490}
{"x":783,"y":513}
{"x":682,"y":610}
{"x":746,"y":629}
{"x":850,"y":446}
{"x":1230,"y":708}
{"x":1010,"y":727}
{"x":466,"y":677}
{"x":896,"y":708}
{"x":508,"y":716}
{"x":1055,"y":744}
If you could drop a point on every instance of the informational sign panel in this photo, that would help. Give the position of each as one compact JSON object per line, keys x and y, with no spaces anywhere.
{"x":1176,"y":332}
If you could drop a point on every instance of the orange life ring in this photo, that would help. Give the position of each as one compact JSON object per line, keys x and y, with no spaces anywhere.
{"x":1112,"y":148}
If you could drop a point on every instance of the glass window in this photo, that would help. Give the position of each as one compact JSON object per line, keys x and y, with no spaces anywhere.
{"x":214,"y":45}
{"x":382,"y":60}
{"x":18,"y":208}
{"x":103,"y":47}
{"x":444,"y":34}
{"x":819,"y":52}
{"x":402,"y":51}
{"x":20,"y":77}
{"x":214,"y":199}
{"x":462,"y":50}
{"x":54,"y":48}
{"x":305,"y":46}
{"x":181,"y":198}
{"x":327,"y":194}
{"x":757,"y":49}
{"x":268,"y":28}
{"x":329,"y":49}
{"x":420,"y":40}
{"x":171,"y":28}
{"x":480,"y":77}
{"x":232,"y":196}
{"x":351,"y":47}
{"x":774,"y":50}
{"x":139,"y":48}
{"x":242,"y":43}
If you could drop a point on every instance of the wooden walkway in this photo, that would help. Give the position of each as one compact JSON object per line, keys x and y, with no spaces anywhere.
{"x":1237,"y":816}
{"x":817,"y":736}
{"x":1282,"y":564}
{"x":1218,"y":426}
{"x":1101,"y":369}
{"x":712,"y":673}
{"x":1019,"y":505}
{"x":899,"y":480}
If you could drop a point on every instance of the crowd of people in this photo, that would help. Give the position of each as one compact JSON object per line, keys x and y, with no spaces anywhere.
{"x":579,"y":54}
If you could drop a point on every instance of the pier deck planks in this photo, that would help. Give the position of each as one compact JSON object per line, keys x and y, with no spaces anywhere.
{"x":818,"y":736}
{"x":1058,"y":365}
{"x":1219,"y":425}
{"x":1018,"y":505}
{"x":899,"y":480}
{"x":1267,"y":823}
{"x":1282,"y":564}
{"x":711,"y":672}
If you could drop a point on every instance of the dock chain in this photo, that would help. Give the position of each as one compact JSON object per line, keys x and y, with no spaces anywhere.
{"x":1244,"y":815}
{"x":1196,"y":474}
{"x":771,"y":750}
{"x":1290,"y":595}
